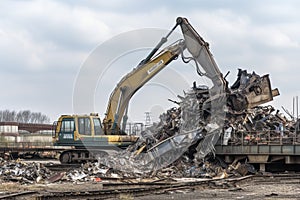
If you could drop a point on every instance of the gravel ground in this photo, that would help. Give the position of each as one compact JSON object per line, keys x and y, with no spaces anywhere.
{"x":249,"y":189}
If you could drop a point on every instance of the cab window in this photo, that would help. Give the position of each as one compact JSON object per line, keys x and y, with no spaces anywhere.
{"x":97,"y":127}
{"x":84,"y":126}
{"x":67,"y":125}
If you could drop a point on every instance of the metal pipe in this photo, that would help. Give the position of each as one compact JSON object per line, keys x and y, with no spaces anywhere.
{"x":162,"y":41}
{"x":297,"y":104}
{"x":293,"y":108}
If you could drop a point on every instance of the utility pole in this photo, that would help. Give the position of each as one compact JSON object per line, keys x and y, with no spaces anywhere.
{"x":148,"y":119}
{"x":293,"y":108}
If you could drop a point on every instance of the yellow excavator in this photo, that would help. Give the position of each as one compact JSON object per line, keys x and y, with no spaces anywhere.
{"x":88,"y":135}
{"x":89,"y":138}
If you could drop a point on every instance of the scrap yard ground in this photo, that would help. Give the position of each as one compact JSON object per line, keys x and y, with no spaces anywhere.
{"x":249,"y":190}
{"x":267,"y":186}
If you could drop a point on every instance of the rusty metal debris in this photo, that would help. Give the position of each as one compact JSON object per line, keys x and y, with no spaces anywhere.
{"x":260,"y":125}
{"x":33,"y":173}
{"x":17,"y":171}
{"x":194,"y":127}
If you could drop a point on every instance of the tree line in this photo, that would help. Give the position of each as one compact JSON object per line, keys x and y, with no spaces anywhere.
{"x":23,"y":116}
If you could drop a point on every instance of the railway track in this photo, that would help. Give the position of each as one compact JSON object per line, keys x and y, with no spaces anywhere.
{"x":115,"y":190}
{"x":286,"y":178}
{"x":17,"y":195}
{"x":119,"y":189}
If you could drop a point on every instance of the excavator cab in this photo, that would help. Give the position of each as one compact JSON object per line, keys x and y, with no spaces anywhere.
{"x":76,"y":129}
{"x":85,"y":135}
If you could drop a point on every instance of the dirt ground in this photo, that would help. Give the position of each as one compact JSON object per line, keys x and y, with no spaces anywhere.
{"x":249,"y":189}
{"x":245,"y":191}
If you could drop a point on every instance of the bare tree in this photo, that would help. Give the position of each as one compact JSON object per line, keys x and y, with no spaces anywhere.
{"x":19,"y":117}
{"x":12,"y":115}
{"x":6,"y":115}
{"x":26,"y":115}
{"x":23,"y":116}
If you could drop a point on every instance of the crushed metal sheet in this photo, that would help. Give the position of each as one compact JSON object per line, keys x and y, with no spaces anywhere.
{"x":197,"y":125}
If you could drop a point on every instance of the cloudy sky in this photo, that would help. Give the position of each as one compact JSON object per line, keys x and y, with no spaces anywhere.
{"x":44,"y":45}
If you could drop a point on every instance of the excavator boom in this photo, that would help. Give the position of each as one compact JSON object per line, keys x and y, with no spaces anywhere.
{"x":132,"y":82}
{"x":199,"y":49}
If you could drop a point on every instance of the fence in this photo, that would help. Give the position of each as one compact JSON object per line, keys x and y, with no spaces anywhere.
{"x":266,"y":137}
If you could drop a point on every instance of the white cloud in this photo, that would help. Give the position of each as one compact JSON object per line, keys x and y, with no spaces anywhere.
{"x":50,"y":39}
{"x":274,"y":37}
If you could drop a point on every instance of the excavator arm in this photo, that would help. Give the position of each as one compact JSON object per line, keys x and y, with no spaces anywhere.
{"x":220,"y":95}
{"x":257,"y":91}
{"x":118,"y":103}
{"x":199,"y":49}
{"x":119,"y":100}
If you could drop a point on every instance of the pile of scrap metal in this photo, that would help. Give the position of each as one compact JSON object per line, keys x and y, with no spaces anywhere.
{"x":194,"y":127}
{"x":182,"y":143}
{"x":181,"y":168}
{"x":31,"y":173}
{"x":17,"y":171}
{"x":260,"y":125}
